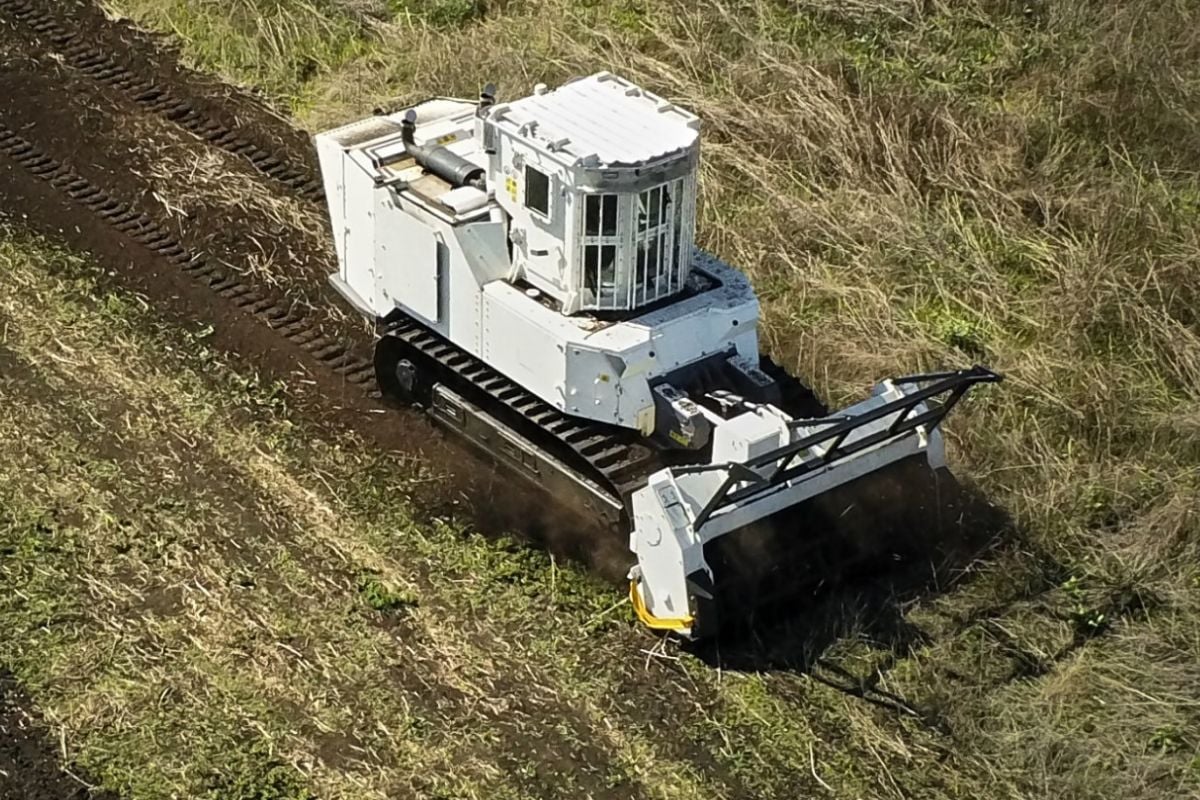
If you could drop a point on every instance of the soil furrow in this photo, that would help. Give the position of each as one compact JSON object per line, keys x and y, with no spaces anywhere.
{"x":153,"y":238}
{"x":97,"y":47}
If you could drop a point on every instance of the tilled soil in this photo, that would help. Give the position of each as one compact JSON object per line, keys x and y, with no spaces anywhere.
{"x":30,"y":764}
{"x":100,"y":139}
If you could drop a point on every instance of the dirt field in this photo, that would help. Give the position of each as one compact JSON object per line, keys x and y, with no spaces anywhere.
{"x":226,"y":571}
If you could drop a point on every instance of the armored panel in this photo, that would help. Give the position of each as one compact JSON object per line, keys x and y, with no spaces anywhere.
{"x":407,"y":263}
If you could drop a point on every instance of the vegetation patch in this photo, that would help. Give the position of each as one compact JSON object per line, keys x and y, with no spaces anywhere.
{"x":440,"y":13}
{"x":380,"y":596}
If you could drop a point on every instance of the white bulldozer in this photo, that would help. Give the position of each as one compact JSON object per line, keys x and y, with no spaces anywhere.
{"x":532,"y":269}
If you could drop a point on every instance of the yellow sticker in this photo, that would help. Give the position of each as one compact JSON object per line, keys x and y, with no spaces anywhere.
{"x":510,"y":183}
{"x":449,"y":137}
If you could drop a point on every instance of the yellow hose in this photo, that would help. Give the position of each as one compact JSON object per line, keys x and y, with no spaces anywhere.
{"x":651,"y":621}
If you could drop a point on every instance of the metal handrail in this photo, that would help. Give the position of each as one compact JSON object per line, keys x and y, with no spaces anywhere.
{"x":952,"y":384}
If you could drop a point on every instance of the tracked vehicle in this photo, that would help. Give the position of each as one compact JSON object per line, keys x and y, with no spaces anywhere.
{"x":532,"y":269}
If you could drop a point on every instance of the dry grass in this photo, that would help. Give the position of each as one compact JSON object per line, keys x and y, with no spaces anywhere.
{"x":184,"y":591}
{"x":290,"y":249}
{"x":911,"y":185}
{"x":191,"y":181}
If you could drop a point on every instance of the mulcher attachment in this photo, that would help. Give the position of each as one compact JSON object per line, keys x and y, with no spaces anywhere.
{"x":765,"y":463}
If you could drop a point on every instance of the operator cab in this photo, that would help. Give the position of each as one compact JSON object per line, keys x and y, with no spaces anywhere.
{"x":598,"y":178}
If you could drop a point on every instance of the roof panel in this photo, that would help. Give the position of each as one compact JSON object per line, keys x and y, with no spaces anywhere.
{"x":605,"y":116}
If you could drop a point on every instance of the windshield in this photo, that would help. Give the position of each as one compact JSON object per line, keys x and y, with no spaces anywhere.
{"x":636,"y":247}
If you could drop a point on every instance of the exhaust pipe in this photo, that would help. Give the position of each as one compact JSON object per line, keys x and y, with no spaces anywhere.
{"x":487,"y":99}
{"x":447,"y":165}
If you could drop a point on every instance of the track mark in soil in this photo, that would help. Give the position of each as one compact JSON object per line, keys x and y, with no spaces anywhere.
{"x":83,"y":50}
{"x":469,"y":484}
{"x":273,"y":310}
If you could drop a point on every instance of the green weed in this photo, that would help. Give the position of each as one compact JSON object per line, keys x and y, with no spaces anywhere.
{"x":380,"y":596}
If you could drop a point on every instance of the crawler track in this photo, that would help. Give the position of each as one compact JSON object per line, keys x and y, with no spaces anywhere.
{"x":609,"y":455}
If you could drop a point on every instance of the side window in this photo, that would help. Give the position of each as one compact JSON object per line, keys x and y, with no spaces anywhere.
{"x":537,"y":191}
{"x":600,"y":242}
{"x":657,"y":241}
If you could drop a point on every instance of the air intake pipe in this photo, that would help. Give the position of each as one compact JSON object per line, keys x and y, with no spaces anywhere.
{"x":447,"y":165}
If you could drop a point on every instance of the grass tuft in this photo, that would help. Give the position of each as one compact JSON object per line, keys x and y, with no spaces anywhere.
{"x":255,"y":773}
{"x":440,"y":13}
{"x":380,"y":596}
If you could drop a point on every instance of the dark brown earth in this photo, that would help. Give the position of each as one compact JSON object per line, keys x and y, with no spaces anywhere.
{"x":30,"y":764}
{"x":156,"y":59}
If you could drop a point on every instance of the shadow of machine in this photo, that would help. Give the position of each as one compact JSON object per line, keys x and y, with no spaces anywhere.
{"x":845,"y":561}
